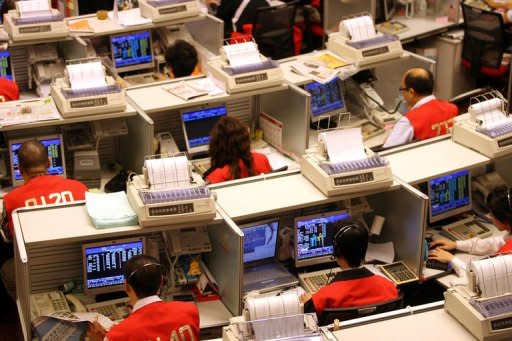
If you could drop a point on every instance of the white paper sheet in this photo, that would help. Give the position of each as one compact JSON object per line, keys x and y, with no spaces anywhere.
{"x":242,"y":54}
{"x":168,"y":172}
{"x":86,"y":75}
{"x":33,"y":8}
{"x":344,"y":144}
{"x":384,"y":252}
{"x":358,"y":28}
{"x":130,"y":17}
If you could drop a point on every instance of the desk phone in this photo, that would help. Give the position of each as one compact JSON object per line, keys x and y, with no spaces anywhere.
{"x":399,"y":273}
{"x":465,"y":229}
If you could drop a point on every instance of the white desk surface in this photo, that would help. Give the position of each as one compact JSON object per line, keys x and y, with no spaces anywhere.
{"x":421,"y":27}
{"x":213,"y":314}
{"x":429,"y":160}
{"x":272,"y":195}
{"x":427,"y":326}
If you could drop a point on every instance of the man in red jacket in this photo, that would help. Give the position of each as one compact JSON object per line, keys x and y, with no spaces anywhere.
{"x":427,"y":117}
{"x":151,"y":318}
{"x":38,"y":189}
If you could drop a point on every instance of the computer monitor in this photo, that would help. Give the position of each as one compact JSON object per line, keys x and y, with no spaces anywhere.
{"x":132,"y":51}
{"x":260,"y":240}
{"x":314,"y":235}
{"x":197,"y":125}
{"x":326,"y":99}
{"x":54,"y":145}
{"x":6,"y":65}
{"x":103,"y":263}
{"x":449,"y":195}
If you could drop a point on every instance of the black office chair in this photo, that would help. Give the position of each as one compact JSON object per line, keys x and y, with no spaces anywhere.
{"x":330,"y":314}
{"x":273,"y":30}
{"x":485,"y":41}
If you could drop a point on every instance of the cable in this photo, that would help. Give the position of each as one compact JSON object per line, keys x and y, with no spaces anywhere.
{"x":381,"y":106}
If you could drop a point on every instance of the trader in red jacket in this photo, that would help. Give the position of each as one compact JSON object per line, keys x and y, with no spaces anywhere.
{"x":355,"y":285}
{"x":151,"y":318}
{"x":427,"y":117}
{"x":39,"y":188}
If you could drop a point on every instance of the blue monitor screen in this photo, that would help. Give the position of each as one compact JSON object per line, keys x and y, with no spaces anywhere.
{"x":260,"y":241}
{"x":5,"y":65}
{"x":132,"y":49}
{"x":55,"y":156}
{"x":314,"y":234}
{"x":103,"y":264}
{"x":449,"y":195}
{"x":198,"y":125}
{"x":325,"y":98}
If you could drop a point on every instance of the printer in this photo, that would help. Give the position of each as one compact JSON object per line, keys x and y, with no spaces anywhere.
{"x":272,"y":318}
{"x":242,"y":68}
{"x":166,"y":193}
{"x":34,"y":19}
{"x":359,"y":42}
{"x":484,"y":306}
{"x":368,"y":171}
{"x":486,"y":128}
{"x":87,"y":90}
{"x":166,"y":10}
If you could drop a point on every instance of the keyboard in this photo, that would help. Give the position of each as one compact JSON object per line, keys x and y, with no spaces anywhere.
{"x":201,"y":165}
{"x":465,"y":229}
{"x":266,"y":276}
{"x":311,"y":282}
{"x":116,"y":310}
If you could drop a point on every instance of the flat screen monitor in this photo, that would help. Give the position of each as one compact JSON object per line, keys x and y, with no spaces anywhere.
{"x":449,"y":195}
{"x":314,"y":235}
{"x":54,"y":144}
{"x":103,"y":263}
{"x":260,"y":240}
{"x":132,"y":51}
{"x":197,"y":125}
{"x":6,"y":65}
{"x":326,"y":99}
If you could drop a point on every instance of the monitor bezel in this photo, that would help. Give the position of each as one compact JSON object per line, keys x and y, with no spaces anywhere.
{"x":331,"y":113}
{"x":205,"y":147}
{"x":299,"y":263}
{"x":113,"y":288}
{"x":451,"y":213}
{"x":38,"y":138}
{"x":133,"y":67}
{"x":11,"y":65}
{"x":261,"y":222}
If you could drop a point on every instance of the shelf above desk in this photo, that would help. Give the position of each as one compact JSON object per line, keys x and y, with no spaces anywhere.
{"x":420,"y":28}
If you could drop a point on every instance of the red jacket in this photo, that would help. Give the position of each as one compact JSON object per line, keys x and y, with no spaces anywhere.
{"x":352,"y":288}
{"x":43,"y":190}
{"x":507,"y":248}
{"x":159,"y":321}
{"x":432,"y":119}
{"x":9,"y":90}
{"x":260,"y":165}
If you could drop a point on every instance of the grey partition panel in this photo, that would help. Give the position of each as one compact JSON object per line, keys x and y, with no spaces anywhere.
{"x":208,"y":31}
{"x":225,"y":263}
{"x":334,"y":10}
{"x":291,"y":107}
{"x":503,"y":166}
{"x":405,"y":212}
{"x":139,"y":142}
{"x":389,"y":75}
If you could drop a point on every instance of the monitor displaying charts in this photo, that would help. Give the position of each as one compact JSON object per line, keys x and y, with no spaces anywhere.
{"x":326,"y":99}
{"x":449,"y":195}
{"x":132,"y":51}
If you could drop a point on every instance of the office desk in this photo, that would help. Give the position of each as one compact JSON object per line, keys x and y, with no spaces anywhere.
{"x":422,"y":27}
{"x":415,"y":163}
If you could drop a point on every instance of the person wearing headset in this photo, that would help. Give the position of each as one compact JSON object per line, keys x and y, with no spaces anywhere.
{"x":151,"y":318}
{"x":499,"y":204}
{"x":355,"y":285}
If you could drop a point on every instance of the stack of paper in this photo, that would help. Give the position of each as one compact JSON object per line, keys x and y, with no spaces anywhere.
{"x":358,"y":28}
{"x":169,"y":172}
{"x":344,"y":144}
{"x":110,"y":209}
{"x":242,"y":54}
{"x":86,"y":75}
{"x":33,"y":8}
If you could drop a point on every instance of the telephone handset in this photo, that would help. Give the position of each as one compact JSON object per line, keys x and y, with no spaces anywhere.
{"x":374,"y":105}
{"x":189,"y":241}
{"x":53,"y":301}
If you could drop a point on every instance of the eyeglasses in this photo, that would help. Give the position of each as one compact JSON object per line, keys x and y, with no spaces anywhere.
{"x":402,"y":89}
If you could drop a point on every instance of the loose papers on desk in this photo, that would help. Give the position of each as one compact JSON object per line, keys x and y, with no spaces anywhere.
{"x":185,"y":90}
{"x":344,"y":144}
{"x":43,"y":109}
{"x":110,"y":209}
{"x":86,"y":75}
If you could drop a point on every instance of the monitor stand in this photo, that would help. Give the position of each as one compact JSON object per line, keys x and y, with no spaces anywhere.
{"x":323,"y":124}
{"x":110,"y":296}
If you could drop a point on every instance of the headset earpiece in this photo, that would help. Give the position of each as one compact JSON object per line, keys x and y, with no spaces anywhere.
{"x":508,"y":198}
{"x":336,"y":240}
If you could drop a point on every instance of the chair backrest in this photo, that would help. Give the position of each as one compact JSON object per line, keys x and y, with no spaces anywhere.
{"x":484,"y":37}
{"x":273,"y":30}
{"x":343,"y":314}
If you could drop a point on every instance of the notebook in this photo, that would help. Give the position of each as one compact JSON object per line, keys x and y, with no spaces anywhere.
{"x":262,"y":270}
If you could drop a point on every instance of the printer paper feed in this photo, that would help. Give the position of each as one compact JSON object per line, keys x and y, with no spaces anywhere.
{"x":493,"y":275}
{"x":110,"y":209}
{"x":242,"y":54}
{"x":86,"y":75}
{"x":33,"y":8}
{"x":344,"y":145}
{"x":168,"y":172}
{"x":359,"y":28}
{"x":488,"y":112}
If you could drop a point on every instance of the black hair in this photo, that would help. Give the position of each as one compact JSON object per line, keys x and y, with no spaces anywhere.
{"x":351,"y":243}
{"x":499,"y":203}
{"x":5,"y":7}
{"x":144,"y":274}
{"x":421,"y":80}
{"x":181,"y":57}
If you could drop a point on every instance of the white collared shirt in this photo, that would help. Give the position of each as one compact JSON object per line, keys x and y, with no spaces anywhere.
{"x":403,"y":131}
